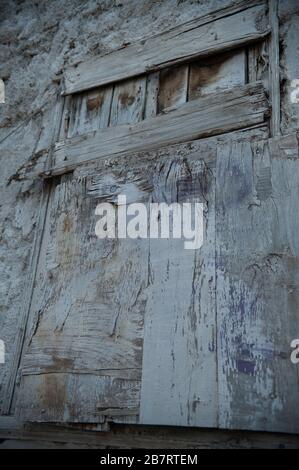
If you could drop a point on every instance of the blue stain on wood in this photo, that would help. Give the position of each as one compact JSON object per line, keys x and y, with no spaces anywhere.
{"x":245,"y":367}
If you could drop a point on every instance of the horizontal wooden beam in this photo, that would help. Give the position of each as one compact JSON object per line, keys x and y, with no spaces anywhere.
{"x":81,"y":435}
{"x":224,"y":29}
{"x":218,"y":113}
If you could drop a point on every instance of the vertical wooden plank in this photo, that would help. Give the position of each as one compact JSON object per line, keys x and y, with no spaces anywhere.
{"x":84,"y":342}
{"x":63,"y":132}
{"x":258,"y":63}
{"x":152,"y":91}
{"x":33,"y":264}
{"x":89,"y":111}
{"x":173,"y":87}
{"x":274,"y":67}
{"x":179,"y":357}
{"x":12,"y":388}
{"x":128,"y":102}
{"x":257,"y":287}
{"x":237,"y":302}
{"x":217,"y":73}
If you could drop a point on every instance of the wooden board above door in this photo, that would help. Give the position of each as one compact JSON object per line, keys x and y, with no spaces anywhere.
{"x":226,"y":29}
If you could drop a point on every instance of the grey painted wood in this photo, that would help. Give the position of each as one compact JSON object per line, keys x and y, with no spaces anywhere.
{"x":274,"y":64}
{"x":217,"y":73}
{"x":84,"y":341}
{"x":143,"y":437}
{"x":284,"y":146}
{"x":83,"y":355}
{"x":65,"y":119}
{"x":128,"y":102}
{"x":12,"y":382}
{"x":216,"y":32}
{"x":152,"y":90}
{"x":214,"y":114}
{"x":173,"y":87}
{"x":179,"y":373}
{"x":89,"y":111}
{"x":257,"y":284}
{"x":258,"y":63}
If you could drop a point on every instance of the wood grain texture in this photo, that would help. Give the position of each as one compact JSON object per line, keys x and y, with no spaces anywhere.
{"x":284,"y":146}
{"x":217,"y":73}
{"x":257,"y":285}
{"x":142,"y":437}
{"x":173,"y":87}
{"x":89,"y":111}
{"x":258,"y":63}
{"x":152,"y":91}
{"x":179,"y":373}
{"x":12,"y":382}
{"x":214,"y":114}
{"x":84,"y":342}
{"x":274,"y":64}
{"x":219,"y":31}
{"x":83,"y":354}
{"x":79,"y":316}
{"x":128,"y":102}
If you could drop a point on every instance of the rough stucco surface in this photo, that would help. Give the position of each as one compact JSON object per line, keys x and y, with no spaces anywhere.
{"x":38,"y":39}
{"x":289,"y":43}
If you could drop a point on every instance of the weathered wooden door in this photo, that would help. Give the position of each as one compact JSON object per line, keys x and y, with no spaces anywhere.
{"x":97,"y":301}
{"x":143,"y":330}
{"x":146,"y":331}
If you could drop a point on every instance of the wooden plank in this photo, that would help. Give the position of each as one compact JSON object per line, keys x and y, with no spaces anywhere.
{"x":36,"y":166}
{"x":85,"y":330}
{"x":217,"y":73}
{"x":128,"y":102}
{"x":274,"y":64}
{"x":257,"y":286}
{"x":75,"y":436}
{"x":84,"y":337}
{"x":173,"y":87}
{"x":179,"y":358}
{"x":222,"y":30}
{"x":216,"y":114}
{"x":12,"y":383}
{"x":152,"y":91}
{"x":9,"y":424}
{"x":284,"y":146}
{"x":63,"y":132}
{"x":89,"y":111}
{"x":83,"y":323}
{"x":136,"y":192}
{"x":77,"y":398}
{"x":258,"y":63}
{"x":179,"y":373}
